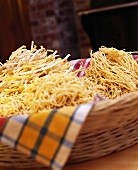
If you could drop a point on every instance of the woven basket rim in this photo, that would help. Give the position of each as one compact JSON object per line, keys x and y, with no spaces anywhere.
{"x":127,"y":98}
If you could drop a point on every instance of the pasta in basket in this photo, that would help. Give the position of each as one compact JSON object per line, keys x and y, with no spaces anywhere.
{"x":113,"y":72}
{"x":32,"y":81}
{"x":35,"y":80}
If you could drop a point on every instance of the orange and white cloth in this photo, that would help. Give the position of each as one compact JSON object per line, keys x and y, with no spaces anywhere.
{"x":47,"y":137}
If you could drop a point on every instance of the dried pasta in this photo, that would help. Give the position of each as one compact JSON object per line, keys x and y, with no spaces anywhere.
{"x":114,"y":72}
{"x":32,"y":81}
{"x":35,"y":80}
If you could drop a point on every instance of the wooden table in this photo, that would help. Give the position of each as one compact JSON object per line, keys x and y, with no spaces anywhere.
{"x":124,"y":160}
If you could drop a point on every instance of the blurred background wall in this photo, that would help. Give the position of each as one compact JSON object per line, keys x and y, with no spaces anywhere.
{"x":57,"y":25}
{"x":51,"y":23}
{"x":112,"y":23}
{"x":14,"y":26}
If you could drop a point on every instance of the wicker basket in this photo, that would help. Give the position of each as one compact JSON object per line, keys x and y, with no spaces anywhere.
{"x":110,"y":127}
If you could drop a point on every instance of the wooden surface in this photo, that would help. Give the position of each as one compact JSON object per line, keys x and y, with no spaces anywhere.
{"x":124,"y":160}
{"x":113,"y":7}
{"x":14,"y":26}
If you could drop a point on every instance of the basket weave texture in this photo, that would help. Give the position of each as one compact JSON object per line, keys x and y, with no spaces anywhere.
{"x":111,"y":126}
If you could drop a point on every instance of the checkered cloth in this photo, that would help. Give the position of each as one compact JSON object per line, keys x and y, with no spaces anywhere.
{"x":47,"y":137}
{"x":76,"y":64}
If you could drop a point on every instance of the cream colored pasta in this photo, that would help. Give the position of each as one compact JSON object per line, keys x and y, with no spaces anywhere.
{"x":33,"y":81}
{"x":114,"y":72}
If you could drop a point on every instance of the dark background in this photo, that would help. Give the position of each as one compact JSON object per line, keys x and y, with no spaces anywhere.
{"x":56,"y":25}
{"x":112,"y":28}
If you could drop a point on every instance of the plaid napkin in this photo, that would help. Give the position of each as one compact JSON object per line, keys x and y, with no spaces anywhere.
{"x":76,"y":64}
{"x":135,"y":57}
{"x":48,"y":137}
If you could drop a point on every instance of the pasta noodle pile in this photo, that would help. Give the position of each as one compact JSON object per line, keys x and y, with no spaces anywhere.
{"x":32,"y":81}
{"x":113,"y":72}
{"x":35,"y":80}
{"x":33,"y":62}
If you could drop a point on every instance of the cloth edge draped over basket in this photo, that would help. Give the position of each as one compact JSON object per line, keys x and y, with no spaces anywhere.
{"x":47,"y":137}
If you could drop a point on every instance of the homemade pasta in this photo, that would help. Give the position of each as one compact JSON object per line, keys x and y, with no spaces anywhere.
{"x":113,"y":72}
{"x":35,"y":80}
{"x":32,"y":81}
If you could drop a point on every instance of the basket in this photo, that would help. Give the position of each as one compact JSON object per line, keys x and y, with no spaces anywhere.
{"x":111,"y":126}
